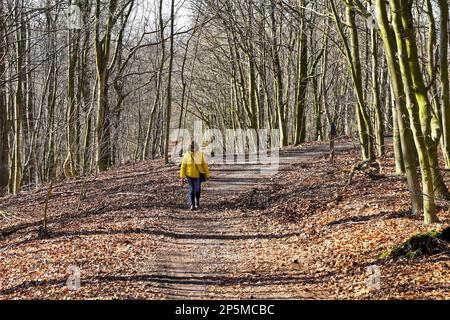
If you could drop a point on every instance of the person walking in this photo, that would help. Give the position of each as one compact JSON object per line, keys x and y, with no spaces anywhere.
{"x":333,"y":134}
{"x":195,"y":169}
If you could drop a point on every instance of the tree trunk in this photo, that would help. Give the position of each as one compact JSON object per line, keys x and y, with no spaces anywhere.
{"x":278,"y":77}
{"x":4,"y":147}
{"x":398,"y":156}
{"x":418,"y":110}
{"x":169,"y":83}
{"x":400,"y":113}
{"x":379,"y":126}
{"x":444,"y":78}
{"x":73,"y":52}
{"x":302,"y":74}
{"x":427,"y":122}
{"x":354,"y":63}
{"x":102,"y":52}
{"x":18,"y":99}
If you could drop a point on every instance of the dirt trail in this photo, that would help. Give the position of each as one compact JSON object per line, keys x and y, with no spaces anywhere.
{"x":134,"y":238}
{"x":208,"y":259}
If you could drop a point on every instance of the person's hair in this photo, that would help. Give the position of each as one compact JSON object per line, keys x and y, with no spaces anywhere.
{"x":194,"y":145}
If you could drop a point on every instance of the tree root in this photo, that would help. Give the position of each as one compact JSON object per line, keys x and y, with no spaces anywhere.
{"x":359,"y":166}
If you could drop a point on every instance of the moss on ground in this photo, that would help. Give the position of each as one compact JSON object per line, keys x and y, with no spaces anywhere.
{"x":420,"y":245}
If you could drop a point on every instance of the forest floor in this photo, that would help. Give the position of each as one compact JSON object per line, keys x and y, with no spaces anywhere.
{"x":295,"y":235}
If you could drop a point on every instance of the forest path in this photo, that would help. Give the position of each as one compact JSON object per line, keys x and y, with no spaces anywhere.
{"x":206,"y":259}
{"x":133,"y":237}
{"x":287,"y":236}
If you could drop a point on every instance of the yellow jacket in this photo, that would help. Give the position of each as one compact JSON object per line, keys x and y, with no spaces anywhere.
{"x":189,"y":168}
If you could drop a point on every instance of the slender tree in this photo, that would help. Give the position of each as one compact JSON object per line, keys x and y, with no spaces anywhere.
{"x":379,"y":126}
{"x":18,"y":97}
{"x":400,"y":111}
{"x":4,"y":147}
{"x":419,"y":112}
{"x":302,"y":75}
{"x":444,"y":78}
{"x":354,"y":63}
{"x":169,"y":82}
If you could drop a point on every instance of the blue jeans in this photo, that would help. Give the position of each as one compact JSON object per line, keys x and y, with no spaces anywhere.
{"x":195,"y":186}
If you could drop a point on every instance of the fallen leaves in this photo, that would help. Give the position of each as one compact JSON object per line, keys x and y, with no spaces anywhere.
{"x":296,"y":236}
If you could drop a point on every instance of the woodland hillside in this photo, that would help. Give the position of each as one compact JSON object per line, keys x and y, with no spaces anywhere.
{"x":325,"y":125}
